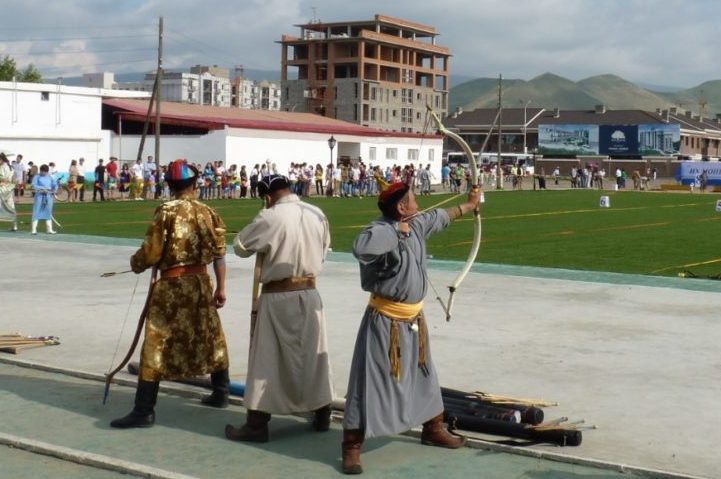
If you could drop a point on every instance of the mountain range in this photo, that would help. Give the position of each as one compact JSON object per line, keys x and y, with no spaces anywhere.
{"x":553,"y":91}
{"x":249,"y":73}
{"x":546,"y":91}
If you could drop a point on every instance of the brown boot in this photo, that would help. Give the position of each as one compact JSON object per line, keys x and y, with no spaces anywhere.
{"x":351,"y":448}
{"x":434,"y":434}
{"x":255,"y":428}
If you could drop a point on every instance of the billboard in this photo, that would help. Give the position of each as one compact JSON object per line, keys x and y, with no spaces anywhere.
{"x":568,"y":139}
{"x":659,"y":139}
{"x":618,"y":140}
{"x":612,"y":140}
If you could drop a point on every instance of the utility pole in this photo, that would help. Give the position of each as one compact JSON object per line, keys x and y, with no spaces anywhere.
{"x":499,"y":170}
{"x":158,"y":83}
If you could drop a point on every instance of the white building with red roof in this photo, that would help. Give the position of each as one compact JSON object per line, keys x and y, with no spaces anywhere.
{"x":249,"y":137}
{"x":57,"y":123}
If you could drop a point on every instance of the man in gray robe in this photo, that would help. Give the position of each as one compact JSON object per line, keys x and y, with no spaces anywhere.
{"x":393,"y":385}
{"x":288,"y":369}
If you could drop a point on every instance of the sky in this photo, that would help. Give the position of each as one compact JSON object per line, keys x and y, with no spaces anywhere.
{"x":657,"y":42}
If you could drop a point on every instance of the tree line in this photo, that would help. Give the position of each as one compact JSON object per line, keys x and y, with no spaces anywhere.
{"x":10,"y":70}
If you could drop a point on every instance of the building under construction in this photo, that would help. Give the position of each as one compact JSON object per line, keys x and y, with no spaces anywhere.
{"x":379,"y":73}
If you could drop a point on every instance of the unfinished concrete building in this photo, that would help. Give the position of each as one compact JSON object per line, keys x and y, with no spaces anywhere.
{"x":379,"y":73}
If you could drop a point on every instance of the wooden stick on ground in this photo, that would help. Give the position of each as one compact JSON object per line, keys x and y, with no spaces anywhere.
{"x":22,"y":347}
{"x":511,"y":400}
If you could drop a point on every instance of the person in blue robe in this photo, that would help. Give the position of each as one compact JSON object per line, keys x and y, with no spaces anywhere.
{"x":44,"y":186}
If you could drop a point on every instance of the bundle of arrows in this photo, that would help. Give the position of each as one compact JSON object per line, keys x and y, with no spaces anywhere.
{"x":507,"y":416}
{"x":14,"y":343}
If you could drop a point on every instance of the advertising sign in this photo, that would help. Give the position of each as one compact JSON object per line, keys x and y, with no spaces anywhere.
{"x":690,"y":172}
{"x":659,"y":139}
{"x":656,"y":139}
{"x":618,"y":140}
{"x":568,"y":139}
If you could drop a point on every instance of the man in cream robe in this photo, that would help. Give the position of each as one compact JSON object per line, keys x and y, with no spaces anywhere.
{"x":289,"y":368}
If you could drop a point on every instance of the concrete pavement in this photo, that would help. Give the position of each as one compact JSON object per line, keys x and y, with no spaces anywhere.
{"x":636,"y":356}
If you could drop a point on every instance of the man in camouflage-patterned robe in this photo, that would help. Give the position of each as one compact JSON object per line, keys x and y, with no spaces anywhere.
{"x":183,"y":334}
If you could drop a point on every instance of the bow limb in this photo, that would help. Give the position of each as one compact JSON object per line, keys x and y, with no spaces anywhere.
{"x":448,"y":307}
{"x":138,"y":330}
{"x":255,"y":294}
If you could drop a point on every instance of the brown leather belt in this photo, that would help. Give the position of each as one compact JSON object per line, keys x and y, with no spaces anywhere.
{"x":294,"y":283}
{"x":178,"y":271}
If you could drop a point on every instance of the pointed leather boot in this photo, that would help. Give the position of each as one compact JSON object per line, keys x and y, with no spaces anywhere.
{"x":351,"y":450}
{"x":434,"y":434}
{"x":255,"y":428}
{"x":321,"y":419}
{"x":220,"y":381}
{"x":143,"y":414}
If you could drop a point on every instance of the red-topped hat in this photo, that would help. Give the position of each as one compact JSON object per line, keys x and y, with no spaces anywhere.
{"x":390,"y":196}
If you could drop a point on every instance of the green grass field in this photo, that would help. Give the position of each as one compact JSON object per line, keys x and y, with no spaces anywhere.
{"x":644,"y":233}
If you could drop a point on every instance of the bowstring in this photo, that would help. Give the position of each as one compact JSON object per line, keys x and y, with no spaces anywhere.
{"x":426,"y":125}
{"x":125,"y":321}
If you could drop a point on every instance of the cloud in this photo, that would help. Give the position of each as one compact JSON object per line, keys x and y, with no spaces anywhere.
{"x":655,"y":41}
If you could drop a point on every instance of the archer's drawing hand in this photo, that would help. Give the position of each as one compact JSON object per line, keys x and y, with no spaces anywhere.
{"x":404,"y":228}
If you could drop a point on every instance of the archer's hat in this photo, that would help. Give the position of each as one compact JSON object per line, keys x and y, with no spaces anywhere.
{"x":391,"y":195}
{"x":180,"y":170}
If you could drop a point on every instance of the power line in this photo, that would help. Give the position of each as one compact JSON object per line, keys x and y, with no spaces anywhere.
{"x":56,"y":52}
{"x":209,"y":48}
{"x":80,"y":65}
{"x":193,"y":45}
{"x":75,"y":38}
{"x":80,"y":27}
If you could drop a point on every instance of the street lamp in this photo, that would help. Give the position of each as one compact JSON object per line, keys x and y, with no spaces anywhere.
{"x":525,"y":121}
{"x":331,"y":145}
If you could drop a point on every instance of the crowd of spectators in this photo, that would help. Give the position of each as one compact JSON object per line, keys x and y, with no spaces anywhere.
{"x":145,"y":180}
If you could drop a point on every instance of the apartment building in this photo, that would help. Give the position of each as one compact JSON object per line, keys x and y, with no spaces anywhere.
{"x":379,"y":73}
{"x":201,"y":86}
{"x":255,"y":95}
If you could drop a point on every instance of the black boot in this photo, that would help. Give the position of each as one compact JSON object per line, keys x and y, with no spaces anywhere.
{"x":255,"y":428}
{"x":321,"y":419}
{"x":220,"y":381}
{"x":143,"y":414}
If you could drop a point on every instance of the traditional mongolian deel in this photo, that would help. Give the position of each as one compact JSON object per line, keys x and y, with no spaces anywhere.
{"x":183,"y":334}
{"x":289,"y":368}
{"x":384,"y":398}
{"x":7,"y":203}
{"x":44,"y":187}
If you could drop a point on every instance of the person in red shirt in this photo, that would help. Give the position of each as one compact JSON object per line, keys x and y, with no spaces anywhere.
{"x":112,"y":171}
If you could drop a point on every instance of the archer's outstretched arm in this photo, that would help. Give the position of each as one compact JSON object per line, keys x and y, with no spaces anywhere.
{"x":474,"y":197}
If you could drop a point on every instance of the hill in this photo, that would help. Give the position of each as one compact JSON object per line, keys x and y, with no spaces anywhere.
{"x":704,"y":99}
{"x":552,"y":91}
{"x":617,"y":93}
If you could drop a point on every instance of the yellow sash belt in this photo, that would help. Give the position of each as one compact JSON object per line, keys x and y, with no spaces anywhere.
{"x":407,"y":313}
{"x":394,"y":309}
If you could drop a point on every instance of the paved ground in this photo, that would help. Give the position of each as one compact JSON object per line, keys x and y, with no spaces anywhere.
{"x":636,"y":356}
